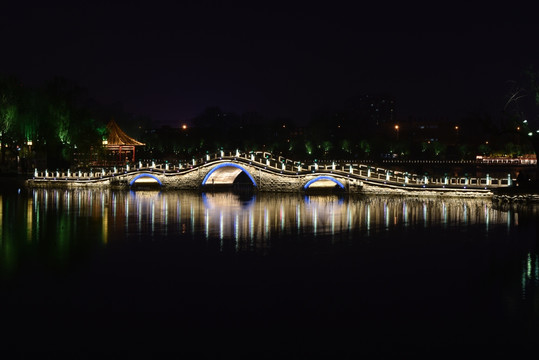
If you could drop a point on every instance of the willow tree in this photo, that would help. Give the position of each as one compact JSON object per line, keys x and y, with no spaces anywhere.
{"x":8,"y":110}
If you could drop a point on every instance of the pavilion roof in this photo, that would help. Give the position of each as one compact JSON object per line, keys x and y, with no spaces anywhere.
{"x":117,"y":137}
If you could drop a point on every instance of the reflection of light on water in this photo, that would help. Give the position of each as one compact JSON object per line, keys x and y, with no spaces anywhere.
{"x":487,"y":216}
{"x":192,"y":218}
{"x":266,"y":223}
{"x":249,"y":221}
{"x":298,"y":217}
{"x":29,"y":219}
{"x":221,"y":231}
{"x":332,"y":222}
{"x":152,"y":215}
{"x":236,"y":230}
{"x":139,"y":206}
{"x":405,"y":213}
{"x":164,"y":204}
{"x":368,"y":217}
{"x":105,"y":227}
{"x":315,"y":221}
{"x":530,"y":275}
{"x":207,"y":222}
{"x":386,"y":217}
{"x":251,"y":225}
{"x":281,"y":216}
{"x":424,"y":214}
{"x":348,"y":217}
{"x":126,"y":210}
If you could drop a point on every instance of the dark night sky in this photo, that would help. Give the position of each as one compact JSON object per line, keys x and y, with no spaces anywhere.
{"x":170,"y":61}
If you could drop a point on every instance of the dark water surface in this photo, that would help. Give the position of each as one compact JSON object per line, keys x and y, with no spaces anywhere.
{"x":92,"y":270}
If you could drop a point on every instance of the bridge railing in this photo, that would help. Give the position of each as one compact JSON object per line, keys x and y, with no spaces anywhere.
{"x":281,"y":165}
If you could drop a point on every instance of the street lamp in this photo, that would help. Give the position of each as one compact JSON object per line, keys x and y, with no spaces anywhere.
{"x":397,"y":131}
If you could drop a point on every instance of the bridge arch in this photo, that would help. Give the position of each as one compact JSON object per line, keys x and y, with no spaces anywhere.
{"x":238,"y":170}
{"x":140,"y":176}
{"x":310,"y":182}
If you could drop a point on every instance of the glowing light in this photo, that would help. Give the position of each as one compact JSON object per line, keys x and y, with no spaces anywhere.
{"x":324,"y":178}
{"x":228,"y":165}
{"x":141,"y":176}
{"x":184,"y":127}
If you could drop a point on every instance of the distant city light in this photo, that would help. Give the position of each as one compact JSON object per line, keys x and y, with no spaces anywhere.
{"x":184,"y":127}
{"x":530,"y":133}
{"x":29,"y":143}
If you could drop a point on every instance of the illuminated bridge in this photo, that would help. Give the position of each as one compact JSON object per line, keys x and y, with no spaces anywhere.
{"x":261,"y":172}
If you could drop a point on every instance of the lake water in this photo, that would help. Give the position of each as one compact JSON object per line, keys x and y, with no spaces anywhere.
{"x":215,"y":272}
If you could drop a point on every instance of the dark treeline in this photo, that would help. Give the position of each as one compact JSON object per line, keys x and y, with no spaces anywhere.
{"x":333,"y":134}
{"x":58,"y":125}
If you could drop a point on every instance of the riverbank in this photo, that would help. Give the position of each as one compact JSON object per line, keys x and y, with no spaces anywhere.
{"x":521,"y":194}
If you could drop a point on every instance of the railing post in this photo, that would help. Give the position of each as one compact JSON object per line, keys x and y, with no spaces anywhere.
{"x":509,"y":180}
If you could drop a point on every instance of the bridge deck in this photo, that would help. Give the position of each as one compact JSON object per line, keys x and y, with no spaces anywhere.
{"x":371,"y":175}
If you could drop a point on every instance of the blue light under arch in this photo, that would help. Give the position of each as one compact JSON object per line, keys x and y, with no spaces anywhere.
{"x":324,"y":178}
{"x":145,"y":175}
{"x":228,"y":165}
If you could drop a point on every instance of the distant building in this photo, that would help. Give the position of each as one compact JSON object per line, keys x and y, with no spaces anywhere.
{"x":371,"y":109}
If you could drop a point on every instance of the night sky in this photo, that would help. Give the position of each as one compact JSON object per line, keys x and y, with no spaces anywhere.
{"x":171,"y":61}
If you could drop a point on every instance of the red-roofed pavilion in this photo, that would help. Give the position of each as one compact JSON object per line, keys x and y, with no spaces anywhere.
{"x":119,"y":143}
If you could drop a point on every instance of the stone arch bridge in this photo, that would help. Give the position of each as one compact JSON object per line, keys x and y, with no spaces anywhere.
{"x":264,"y":173}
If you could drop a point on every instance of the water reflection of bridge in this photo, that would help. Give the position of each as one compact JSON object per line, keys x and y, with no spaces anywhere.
{"x":264,"y":173}
{"x":252,"y":221}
